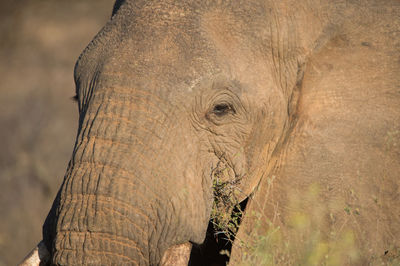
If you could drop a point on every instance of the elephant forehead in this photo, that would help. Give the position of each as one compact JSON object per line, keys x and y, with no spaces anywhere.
{"x":171,"y":49}
{"x":225,"y":34}
{"x":163,"y":57}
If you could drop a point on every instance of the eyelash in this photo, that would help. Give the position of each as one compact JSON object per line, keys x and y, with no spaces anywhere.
{"x":223,"y":109}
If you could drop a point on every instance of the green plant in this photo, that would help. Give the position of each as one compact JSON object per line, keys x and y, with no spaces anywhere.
{"x":226,"y":212}
{"x":303,"y":241}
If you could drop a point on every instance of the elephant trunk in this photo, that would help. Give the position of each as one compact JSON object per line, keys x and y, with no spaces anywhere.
{"x":108,"y":208}
{"x":97,"y":222}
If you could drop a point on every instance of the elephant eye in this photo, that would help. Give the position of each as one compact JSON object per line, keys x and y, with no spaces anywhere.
{"x":223,"y":109}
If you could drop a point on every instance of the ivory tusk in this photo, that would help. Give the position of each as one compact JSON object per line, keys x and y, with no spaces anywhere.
{"x":38,"y":256}
{"x":177,"y":255}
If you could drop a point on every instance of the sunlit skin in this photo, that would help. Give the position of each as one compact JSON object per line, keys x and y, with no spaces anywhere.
{"x":302,"y":114}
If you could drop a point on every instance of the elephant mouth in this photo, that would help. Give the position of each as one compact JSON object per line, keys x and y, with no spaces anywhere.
{"x":219,"y":240}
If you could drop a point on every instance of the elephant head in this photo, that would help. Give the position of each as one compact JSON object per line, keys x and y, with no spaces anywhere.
{"x":169,"y":93}
{"x":175,"y":97}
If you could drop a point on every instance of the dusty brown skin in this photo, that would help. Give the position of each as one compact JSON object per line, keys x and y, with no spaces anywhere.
{"x":287,"y":95}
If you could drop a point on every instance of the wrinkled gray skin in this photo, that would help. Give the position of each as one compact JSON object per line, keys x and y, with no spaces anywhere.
{"x":293,"y":92}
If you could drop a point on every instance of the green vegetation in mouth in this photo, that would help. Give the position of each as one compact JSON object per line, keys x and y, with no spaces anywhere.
{"x":226,"y":212}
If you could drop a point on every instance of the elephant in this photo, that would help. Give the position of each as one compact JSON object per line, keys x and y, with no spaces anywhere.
{"x":281,"y":118}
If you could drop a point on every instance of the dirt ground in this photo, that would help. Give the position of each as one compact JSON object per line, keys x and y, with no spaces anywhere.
{"x":40,"y":41}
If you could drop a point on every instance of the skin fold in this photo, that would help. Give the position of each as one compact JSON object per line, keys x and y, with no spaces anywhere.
{"x":296,"y":102}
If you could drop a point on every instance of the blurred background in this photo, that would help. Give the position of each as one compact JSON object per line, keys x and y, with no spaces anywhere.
{"x":40,"y":40}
